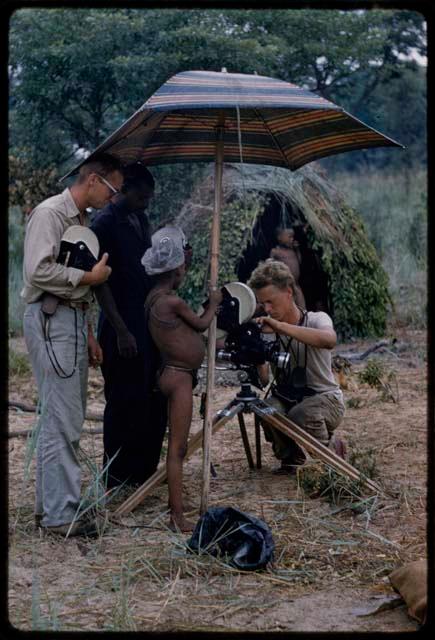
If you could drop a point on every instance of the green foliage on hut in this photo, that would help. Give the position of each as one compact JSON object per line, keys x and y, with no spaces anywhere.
{"x":340,"y":270}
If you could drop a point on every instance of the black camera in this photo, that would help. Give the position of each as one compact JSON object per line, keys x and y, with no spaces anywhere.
{"x":245,"y":346}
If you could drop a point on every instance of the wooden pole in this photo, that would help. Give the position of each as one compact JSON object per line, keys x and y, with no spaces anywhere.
{"x":211,"y":342}
{"x":136,"y":498}
{"x":313,"y":446}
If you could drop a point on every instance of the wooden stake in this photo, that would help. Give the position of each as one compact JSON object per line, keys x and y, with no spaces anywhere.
{"x":211,"y":342}
{"x":314,"y":447}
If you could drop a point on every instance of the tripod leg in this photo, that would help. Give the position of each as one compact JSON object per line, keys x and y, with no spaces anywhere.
{"x":318,"y":450}
{"x":257,"y":440}
{"x":195,"y":442}
{"x":245,"y":440}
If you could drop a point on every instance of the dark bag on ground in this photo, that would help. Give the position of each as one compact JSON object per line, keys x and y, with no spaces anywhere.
{"x":245,"y":540}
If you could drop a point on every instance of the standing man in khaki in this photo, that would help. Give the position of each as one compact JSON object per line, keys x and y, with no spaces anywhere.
{"x":59,"y":355}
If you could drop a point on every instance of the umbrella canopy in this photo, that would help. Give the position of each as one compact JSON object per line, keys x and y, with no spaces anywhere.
{"x":267,"y":121}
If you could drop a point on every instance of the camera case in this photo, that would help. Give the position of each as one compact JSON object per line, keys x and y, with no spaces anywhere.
{"x":79,"y":248}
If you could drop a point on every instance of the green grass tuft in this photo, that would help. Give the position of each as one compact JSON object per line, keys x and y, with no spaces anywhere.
{"x":18,"y":364}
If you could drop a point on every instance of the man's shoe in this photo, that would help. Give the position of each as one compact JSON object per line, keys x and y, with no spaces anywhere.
{"x":88,"y":528}
{"x":38,"y":519}
{"x":286,"y":469}
{"x":339,"y":447}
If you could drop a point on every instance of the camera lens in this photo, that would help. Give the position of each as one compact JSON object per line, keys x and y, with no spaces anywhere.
{"x":221,"y":354}
{"x":281,"y":359}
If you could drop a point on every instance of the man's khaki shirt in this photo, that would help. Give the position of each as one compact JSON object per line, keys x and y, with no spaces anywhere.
{"x":41,"y":273}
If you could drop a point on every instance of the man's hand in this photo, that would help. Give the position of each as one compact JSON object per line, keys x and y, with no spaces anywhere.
{"x":101,"y":271}
{"x":95,"y":352}
{"x":127,"y":346}
{"x":99,"y":274}
{"x":268,"y":324}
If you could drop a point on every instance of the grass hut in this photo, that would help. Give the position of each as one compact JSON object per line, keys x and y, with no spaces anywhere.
{"x":340,"y":270}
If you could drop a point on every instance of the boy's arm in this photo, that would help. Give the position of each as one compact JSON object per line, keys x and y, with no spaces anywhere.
{"x":199,"y":323}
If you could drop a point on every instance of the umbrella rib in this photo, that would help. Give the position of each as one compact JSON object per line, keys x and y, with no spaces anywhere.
{"x":275,"y":142}
{"x":141,"y":123}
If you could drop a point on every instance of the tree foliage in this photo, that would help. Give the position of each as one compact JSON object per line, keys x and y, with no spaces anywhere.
{"x":77,"y":74}
{"x":29,"y":185}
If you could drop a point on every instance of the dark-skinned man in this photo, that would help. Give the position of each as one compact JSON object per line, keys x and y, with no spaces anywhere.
{"x":135,"y":414}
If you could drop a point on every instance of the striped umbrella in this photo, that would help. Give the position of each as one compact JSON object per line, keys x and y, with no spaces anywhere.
{"x":204,"y":116}
{"x":268,"y":121}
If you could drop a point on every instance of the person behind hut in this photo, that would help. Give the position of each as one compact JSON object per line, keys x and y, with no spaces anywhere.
{"x":135,"y":414}
{"x":58,"y":335}
{"x":287,"y":251}
{"x":306,"y":391}
{"x":175,"y":329}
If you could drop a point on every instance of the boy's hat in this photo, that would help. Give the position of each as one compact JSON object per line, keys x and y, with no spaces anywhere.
{"x":166,"y":252}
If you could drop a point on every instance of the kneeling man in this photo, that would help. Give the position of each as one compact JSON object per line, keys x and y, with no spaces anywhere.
{"x":305,"y":389}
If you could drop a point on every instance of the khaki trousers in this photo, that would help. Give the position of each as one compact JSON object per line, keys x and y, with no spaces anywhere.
{"x":63,"y":407}
{"x":319,"y":415}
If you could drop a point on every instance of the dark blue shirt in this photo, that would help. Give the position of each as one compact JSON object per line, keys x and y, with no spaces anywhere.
{"x":125,"y":243}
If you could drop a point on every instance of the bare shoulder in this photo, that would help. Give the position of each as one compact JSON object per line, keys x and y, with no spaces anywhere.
{"x":177,"y":303}
{"x":168,"y":301}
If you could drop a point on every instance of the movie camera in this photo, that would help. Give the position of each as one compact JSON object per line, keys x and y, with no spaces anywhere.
{"x":244,"y":344}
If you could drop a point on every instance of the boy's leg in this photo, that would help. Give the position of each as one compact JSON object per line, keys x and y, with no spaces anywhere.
{"x":177,"y":386}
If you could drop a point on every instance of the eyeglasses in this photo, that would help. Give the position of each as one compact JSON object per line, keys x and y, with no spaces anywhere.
{"x":107,"y":183}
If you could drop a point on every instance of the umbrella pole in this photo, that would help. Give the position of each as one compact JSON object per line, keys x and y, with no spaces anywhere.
{"x":211,"y":342}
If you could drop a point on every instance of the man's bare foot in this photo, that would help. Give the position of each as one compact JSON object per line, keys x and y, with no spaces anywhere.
{"x":179,"y":523}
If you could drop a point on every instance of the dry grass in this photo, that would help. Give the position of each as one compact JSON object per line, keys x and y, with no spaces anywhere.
{"x":138,"y":575}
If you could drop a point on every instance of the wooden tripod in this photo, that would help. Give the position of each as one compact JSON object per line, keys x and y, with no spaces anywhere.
{"x":247,"y":401}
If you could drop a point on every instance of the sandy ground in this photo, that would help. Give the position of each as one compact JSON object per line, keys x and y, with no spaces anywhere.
{"x":331,"y":562}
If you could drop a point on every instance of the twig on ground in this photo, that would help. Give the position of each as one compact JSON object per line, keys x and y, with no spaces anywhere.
{"x":357,"y":357}
{"x":26,"y":432}
{"x":30,"y":408}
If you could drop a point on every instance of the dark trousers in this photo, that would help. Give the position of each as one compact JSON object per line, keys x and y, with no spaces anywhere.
{"x":135,"y":417}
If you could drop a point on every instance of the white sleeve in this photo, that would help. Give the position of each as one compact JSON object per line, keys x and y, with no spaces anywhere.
{"x":319,"y":320}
